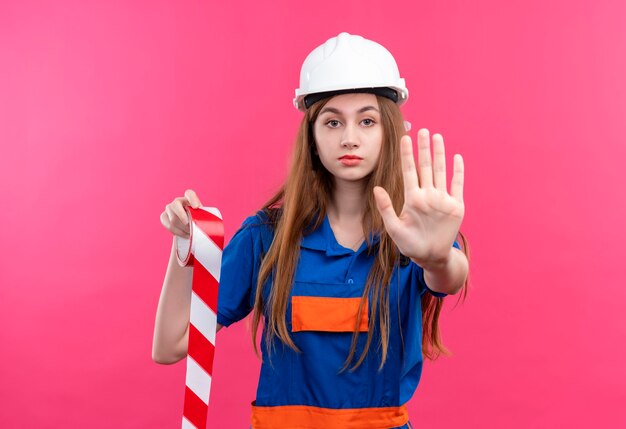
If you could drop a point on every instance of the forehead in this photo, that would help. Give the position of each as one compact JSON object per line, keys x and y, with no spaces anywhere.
{"x":352,"y":102}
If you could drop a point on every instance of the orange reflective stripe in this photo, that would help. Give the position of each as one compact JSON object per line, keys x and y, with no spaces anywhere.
{"x":306,"y":417}
{"x":314,"y":313}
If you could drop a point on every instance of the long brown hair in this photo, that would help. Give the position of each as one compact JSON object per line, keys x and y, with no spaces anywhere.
{"x":302,"y":201}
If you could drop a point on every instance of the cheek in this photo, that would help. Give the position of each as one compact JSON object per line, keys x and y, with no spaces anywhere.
{"x":323,"y":141}
{"x":318,"y":136}
{"x":377,"y":142}
{"x":322,"y":151}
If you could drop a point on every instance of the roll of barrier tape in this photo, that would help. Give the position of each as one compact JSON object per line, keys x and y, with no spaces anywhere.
{"x":203,"y":252}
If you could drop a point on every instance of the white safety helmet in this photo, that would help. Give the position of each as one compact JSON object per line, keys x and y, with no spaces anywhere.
{"x":349,"y":63}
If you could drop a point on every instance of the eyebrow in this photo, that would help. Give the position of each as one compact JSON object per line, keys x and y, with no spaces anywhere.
{"x":338,"y":112}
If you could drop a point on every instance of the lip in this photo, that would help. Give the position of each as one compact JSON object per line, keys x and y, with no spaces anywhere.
{"x":350,"y":160}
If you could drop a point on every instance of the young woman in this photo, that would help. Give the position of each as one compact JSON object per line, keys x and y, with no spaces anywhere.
{"x":347,"y":265}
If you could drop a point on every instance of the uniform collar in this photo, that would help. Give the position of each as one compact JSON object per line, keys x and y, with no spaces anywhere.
{"x":323,"y":239}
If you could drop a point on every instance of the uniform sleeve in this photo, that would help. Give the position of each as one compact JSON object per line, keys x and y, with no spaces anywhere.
{"x":423,"y":282}
{"x":235,"y":297}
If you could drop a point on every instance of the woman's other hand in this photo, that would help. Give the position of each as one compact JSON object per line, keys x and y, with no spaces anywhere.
{"x":174,"y":218}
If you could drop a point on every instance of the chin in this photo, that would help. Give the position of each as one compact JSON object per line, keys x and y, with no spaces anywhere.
{"x":352,"y":177}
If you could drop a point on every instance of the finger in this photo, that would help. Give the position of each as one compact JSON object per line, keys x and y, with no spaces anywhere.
{"x":180,"y":232}
{"x":424,"y":161}
{"x":456,"y":185}
{"x":177,"y":213}
{"x":194,"y":201}
{"x":439,"y":163}
{"x":409,"y":173}
{"x":178,"y":208}
{"x":385,"y":208}
{"x":165,"y":221}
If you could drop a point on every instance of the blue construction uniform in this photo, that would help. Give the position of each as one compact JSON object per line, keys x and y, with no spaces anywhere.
{"x":327,"y":275}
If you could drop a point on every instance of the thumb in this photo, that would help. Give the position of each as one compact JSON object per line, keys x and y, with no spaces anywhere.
{"x":385,"y":208}
{"x":193,"y":199}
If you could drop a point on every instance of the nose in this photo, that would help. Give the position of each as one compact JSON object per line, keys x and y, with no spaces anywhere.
{"x":349,"y":138}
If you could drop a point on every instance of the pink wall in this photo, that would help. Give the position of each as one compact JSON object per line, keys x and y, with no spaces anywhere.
{"x":109,"y":110}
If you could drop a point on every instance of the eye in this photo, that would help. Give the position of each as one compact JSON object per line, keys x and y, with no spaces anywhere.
{"x":368,"y":122}
{"x":333,"y":123}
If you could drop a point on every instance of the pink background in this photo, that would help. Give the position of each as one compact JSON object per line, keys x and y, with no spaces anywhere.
{"x":109,"y":110}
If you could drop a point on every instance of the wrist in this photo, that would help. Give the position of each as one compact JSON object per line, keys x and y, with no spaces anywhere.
{"x":437,"y":264}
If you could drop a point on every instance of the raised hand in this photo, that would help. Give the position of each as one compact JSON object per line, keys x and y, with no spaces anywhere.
{"x":430,"y":218}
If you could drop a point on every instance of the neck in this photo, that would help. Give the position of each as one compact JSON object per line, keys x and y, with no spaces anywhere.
{"x":348,"y":201}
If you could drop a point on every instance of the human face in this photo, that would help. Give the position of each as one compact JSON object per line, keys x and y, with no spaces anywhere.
{"x":349,"y":135}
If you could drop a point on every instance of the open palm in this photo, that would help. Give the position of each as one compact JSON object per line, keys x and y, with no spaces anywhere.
{"x":430,"y":218}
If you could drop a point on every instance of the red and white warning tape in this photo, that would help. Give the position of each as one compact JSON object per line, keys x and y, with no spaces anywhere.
{"x":202,"y":251}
